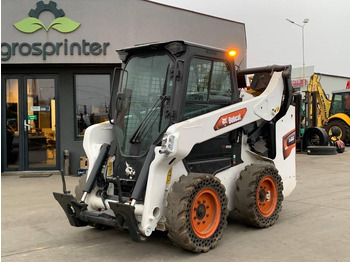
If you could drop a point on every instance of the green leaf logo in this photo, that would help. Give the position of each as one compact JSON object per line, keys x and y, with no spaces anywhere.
{"x":64,"y":25}
{"x":32,"y":23}
{"x":29,"y":25}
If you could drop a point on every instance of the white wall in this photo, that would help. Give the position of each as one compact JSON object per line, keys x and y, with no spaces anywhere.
{"x":332,"y":83}
{"x":329,"y":83}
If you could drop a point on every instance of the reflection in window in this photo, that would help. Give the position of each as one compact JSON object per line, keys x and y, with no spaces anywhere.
{"x":41,"y":118}
{"x":198,"y":80}
{"x":340,"y":104}
{"x":12,"y":123}
{"x":92,"y":94}
{"x":220,"y":84}
{"x":208,"y":87}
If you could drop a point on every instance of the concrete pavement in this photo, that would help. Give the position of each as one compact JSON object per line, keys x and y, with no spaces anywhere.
{"x":314,"y":224}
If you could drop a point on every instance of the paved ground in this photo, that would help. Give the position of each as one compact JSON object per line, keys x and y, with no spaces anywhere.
{"x":314,"y":224}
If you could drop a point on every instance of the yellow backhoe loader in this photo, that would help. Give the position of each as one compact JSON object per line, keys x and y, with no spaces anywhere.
{"x":330,"y":114}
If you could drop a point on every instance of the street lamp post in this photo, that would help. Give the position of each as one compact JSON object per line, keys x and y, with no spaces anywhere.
{"x":306,"y":20}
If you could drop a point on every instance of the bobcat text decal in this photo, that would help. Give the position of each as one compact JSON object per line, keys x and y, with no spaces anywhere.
{"x":288,"y":141}
{"x":230,"y":118}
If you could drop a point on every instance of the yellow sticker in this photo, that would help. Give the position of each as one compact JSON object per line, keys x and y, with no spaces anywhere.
{"x":110,"y":166}
{"x":168,"y":178}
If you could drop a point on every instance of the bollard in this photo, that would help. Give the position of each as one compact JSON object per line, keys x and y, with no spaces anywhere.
{"x":66,"y":162}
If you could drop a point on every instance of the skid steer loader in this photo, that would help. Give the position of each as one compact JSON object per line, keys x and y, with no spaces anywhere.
{"x":186,"y":145}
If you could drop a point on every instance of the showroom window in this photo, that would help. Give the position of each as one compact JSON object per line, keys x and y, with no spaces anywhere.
{"x":92,"y":93}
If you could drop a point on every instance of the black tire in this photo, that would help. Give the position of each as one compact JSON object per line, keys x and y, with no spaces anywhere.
{"x":343,"y":128}
{"x":258,"y":196}
{"x":341,"y":150}
{"x":321,"y":150}
{"x":196,"y":213}
{"x":315,"y":136}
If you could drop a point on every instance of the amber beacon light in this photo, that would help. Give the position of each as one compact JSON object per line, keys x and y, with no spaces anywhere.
{"x":232,"y":53}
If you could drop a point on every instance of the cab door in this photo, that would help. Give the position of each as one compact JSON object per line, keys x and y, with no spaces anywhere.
{"x":209,"y":89}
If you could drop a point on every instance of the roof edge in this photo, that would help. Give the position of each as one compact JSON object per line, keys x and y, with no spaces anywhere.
{"x":194,"y":12}
{"x":322,"y":74}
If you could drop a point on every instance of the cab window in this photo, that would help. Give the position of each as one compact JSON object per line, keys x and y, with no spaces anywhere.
{"x":208,"y":87}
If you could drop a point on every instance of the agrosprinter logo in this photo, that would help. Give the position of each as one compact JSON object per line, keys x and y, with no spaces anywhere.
{"x":32,"y":23}
{"x":46,"y":49}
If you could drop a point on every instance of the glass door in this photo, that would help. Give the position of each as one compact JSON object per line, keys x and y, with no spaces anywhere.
{"x":40,"y":122}
{"x":30,"y":119}
{"x":12,"y":122}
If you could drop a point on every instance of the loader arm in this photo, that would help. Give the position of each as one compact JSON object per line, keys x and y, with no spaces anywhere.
{"x":321,"y":100}
{"x":181,"y":137}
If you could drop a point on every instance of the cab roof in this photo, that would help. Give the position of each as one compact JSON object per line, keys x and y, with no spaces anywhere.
{"x":175,"y":47}
{"x":341,"y":91}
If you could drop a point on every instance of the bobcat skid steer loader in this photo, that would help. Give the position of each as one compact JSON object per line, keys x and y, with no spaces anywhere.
{"x":186,"y":145}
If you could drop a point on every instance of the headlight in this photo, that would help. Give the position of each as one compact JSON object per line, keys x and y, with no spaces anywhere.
{"x":167,"y":143}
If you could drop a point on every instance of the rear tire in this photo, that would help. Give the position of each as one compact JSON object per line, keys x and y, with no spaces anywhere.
{"x":342,"y":127}
{"x":196,"y":214}
{"x":258,"y":196}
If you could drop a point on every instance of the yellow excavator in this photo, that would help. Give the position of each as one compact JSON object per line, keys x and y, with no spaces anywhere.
{"x":333,"y":115}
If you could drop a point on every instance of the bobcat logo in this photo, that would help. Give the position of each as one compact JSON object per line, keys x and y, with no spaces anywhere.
{"x":129,"y":171}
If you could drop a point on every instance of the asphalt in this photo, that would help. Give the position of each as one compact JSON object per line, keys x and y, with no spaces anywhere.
{"x":314,"y":224}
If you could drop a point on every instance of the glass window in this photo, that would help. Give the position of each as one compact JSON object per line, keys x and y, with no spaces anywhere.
{"x":336,"y":105}
{"x":208,"y":87}
{"x":340,"y":104}
{"x":12,"y":123}
{"x":92,"y":94}
{"x":220,"y":84}
{"x":198,"y":80}
{"x":147,"y":91}
{"x":41,"y":119}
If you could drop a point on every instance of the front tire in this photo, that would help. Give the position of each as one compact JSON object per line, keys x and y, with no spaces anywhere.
{"x":196,"y":214}
{"x":258,"y":196}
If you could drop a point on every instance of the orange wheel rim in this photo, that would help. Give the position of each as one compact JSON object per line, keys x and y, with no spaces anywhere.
{"x":205,"y":213}
{"x":266,"y":196}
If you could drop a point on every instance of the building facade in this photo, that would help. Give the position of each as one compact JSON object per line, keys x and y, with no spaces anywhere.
{"x":58,"y":59}
{"x":328,"y":82}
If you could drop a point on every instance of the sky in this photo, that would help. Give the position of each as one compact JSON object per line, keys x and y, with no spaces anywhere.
{"x":271,"y":39}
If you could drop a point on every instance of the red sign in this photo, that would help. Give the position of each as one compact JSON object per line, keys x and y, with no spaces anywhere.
{"x":230,"y":118}
{"x":299,"y":82}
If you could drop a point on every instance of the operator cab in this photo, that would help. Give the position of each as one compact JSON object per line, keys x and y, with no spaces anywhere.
{"x":340,"y":102}
{"x":162,"y":84}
